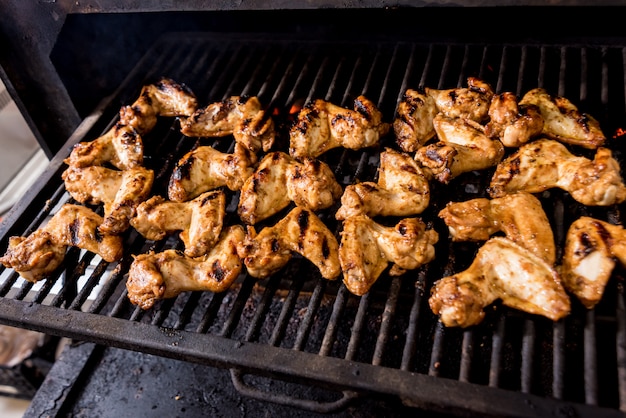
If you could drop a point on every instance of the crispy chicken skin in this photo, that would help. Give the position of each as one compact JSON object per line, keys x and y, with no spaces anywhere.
{"x":367,"y":248}
{"x":471,"y":102}
{"x":301,"y":232}
{"x":164,"y":275}
{"x":592,"y":248}
{"x":322,"y":126}
{"x":513,"y":123}
{"x":121,"y":146}
{"x":462,"y":147}
{"x":501,"y":270}
{"x":240,"y":116}
{"x":198,"y":221}
{"x":37,"y":255}
{"x":281,"y":179}
{"x":120,"y":192}
{"x":402,"y":189}
{"x":413,"y":125}
{"x":519,"y":216}
{"x":544,"y":164}
{"x":165,"y":98}
{"x":205,"y":168}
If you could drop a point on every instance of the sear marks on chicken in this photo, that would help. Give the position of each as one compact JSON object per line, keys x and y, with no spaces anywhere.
{"x":281,"y":179}
{"x":402,"y":189}
{"x":163,"y":275}
{"x":413,"y":125}
{"x":501,"y":270}
{"x":240,"y":116}
{"x":513,"y":123}
{"x":322,"y":126}
{"x":39,"y":254}
{"x":544,"y":164}
{"x":471,"y":102}
{"x":205,"y":168}
{"x":199,"y":221}
{"x":367,"y":248}
{"x":301,"y":232}
{"x":592,"y":248}
{"x":520,"y":216}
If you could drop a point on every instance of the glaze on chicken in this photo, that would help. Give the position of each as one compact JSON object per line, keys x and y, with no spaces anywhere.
{"x":501,"y":270}
{"x":413,"y":125}
{"x":402,"y":189}
{"x":164,"y":275}
{"x":198,"y":221}
{"x":513,"y":123}
{"x":367,"y":248}
{"x":322,"y":126}
{"x":39,"y":254}
{"x":544,"y":164}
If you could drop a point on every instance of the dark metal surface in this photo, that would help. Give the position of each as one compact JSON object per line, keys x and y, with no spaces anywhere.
{"x":299,"y":327}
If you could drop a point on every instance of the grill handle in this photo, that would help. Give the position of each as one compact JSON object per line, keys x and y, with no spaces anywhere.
{"x":242,"y":387}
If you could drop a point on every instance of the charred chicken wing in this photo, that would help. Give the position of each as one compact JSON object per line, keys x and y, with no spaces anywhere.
{"x":511,"y":122}
{"x":471,"y":102}
{"x":413,"y":125}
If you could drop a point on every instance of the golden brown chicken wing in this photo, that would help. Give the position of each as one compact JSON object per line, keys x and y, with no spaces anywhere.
{"x":413,"y":124}
{"x":471,"y":102}
{"x":511,"y":122}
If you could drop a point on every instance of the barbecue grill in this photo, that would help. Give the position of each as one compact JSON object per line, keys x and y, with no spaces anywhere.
{"x":71,"y":66}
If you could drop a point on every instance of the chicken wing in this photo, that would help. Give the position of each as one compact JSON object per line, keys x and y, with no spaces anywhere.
{"x":121,"y":146}
{"x":402,"y":189}
{"x":240,"y":116}
{"x":198,"y":221}
{"x":322,"y":126}
{"x":367,"y":248}
{"x":471,"y":102}
{"x":120,"y":192}
{"x":39,"y":254}
{"x":156,"y":276}
{"x":413,"y":125}
{"x":511,"y":122}
{"x":544,"y":164}
{"x":563,"y":121}
{"x":462,"y":147}
{"x":591,"y":249}
{"x":165,"y":98}
{"x":519,"y":216}
{"x":501,"y":270}
{"x":301,"y":232}
{"x":205,"y":168}
{"x":281,"y":179}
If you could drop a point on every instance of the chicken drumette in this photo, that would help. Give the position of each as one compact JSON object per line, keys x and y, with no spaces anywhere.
{"x":367,"y":248}
{"x":544,"y":164}
{"x":39,"y":254}
{"x":413,"y":124}
{"x":322,"y":126}
{"x":198,"y":221}
{"x":501,"y":270}
{"x":156,"y":276}
{"x":240,"y":116}
{"x":402,"y":189}
{"x":513,"y":123}
{"x":471,"y":102}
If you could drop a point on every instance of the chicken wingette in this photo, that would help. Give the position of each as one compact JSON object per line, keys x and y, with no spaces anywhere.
{"x":513,"y":123}
{"x":413,"y":125}
{"x":471,"y":102}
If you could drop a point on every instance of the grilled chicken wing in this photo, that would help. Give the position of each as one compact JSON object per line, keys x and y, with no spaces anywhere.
{"x":413,"y":125}
{"x":544,"y":164}
{"x":301,"y":232}
{"x":199,"y":221}
{"x":240,"y":116}
{"x":402,"y":190}
{"x":156,"y":276}
{"x":563,"y":121}
{"x":37,"y":255}
{"x":165,"y":98}
{"x":205,"y":168}
{"x":511,"y":122}
{"x":367,"y":248}
{"x":462,"y":147}
{"x":501,"y":270}
{"x":519,"y":216}
{"x":471,"y":102}
{"x":121,"y":146}
{"x":120,"y":192}
{"x":322,"y":126}
{"x":592,"y":247}
{"x":281,"y":179}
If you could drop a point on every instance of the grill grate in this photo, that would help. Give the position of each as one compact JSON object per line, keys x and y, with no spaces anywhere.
{"x":298,"y":326}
